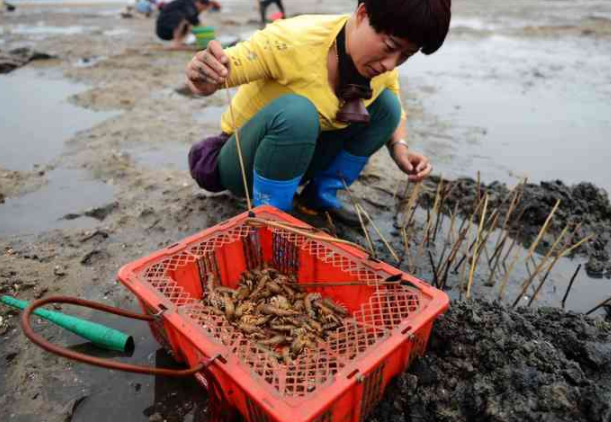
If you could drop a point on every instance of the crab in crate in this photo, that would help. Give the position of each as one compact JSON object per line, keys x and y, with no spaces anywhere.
{"x":273,"y":311}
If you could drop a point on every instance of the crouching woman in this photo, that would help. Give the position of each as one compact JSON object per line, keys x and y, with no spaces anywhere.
{"x":318,"y":96}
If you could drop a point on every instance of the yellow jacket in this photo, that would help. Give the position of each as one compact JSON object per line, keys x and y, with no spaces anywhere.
{"x":290,"y":56}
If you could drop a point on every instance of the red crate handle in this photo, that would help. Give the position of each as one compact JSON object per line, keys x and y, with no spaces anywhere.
{"x":104,"y":363}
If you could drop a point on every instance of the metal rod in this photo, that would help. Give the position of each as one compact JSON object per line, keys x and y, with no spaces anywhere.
{"x":568,"y":289}
{"x":600,"y":305}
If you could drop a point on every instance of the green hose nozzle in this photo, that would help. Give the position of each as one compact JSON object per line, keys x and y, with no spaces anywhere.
{"x":98,"y":334}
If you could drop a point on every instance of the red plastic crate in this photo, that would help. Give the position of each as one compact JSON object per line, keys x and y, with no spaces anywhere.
{"x":345,"y":377}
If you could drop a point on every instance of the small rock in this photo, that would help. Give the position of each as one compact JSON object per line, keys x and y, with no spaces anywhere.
{"x":100,"y":213}
{"x":41,"y":292}
{"x":59,"y":271}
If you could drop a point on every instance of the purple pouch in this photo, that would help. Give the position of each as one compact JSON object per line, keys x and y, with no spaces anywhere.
{"x":203,"y":162}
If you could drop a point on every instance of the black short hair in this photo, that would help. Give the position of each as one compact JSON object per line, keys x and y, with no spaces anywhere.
{"x":422,"y":22}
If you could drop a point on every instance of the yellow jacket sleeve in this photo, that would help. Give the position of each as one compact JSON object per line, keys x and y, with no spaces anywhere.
{"x":255,"y":59}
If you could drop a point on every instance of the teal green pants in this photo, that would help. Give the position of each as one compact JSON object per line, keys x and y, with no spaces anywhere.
{"x":283,"y":140}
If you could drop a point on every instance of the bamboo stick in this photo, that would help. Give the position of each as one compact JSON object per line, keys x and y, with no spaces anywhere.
{"x":455,"y":248}
{"x":396,"y":192}
{"x":440,"y":213}
{"x":541,"y":264}
{"x":478,"y":186}
{"x":476,"y":254}
{"x":375,"y":228}
{"x":429,"y":223}
{"x":412,"y":201}
{"x":489,"y":281}
{"x":499,"y":247}
{"x":358,"y":213}
{"x":409,"y":215}
{"x":542,"y":231}
{"x":330,"y":223}
{"x":453,"y":222}
{"x":479,"y":204}
{"x":510,"y":269}
{"x":238,"y":146}
{"x":452,"y":256}
{"x":435,"y":279}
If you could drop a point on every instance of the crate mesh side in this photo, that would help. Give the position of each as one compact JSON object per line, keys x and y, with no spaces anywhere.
{"x":169,"y":288}
{"x":328,"y":255}
{"x":389,"y":307}
{"x":359,"y":334}
{"x":372,"y":391}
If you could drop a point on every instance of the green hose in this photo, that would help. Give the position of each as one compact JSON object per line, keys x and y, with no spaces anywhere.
{"x":98,"y":334}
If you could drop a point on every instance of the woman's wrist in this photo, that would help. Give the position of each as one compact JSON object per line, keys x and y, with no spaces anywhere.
{"x":394,"y":143}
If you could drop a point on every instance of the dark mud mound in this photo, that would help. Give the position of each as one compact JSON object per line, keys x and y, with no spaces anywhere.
{"x":583,"y":206}
{"x":486,"y":362}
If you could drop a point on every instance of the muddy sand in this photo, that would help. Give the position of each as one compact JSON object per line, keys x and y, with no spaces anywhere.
{"x":93,"y":175}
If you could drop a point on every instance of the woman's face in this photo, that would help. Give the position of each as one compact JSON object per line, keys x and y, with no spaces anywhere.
{"x":376,"y":53}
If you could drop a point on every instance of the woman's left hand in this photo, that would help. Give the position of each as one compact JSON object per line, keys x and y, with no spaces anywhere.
{"x":416,"y":166}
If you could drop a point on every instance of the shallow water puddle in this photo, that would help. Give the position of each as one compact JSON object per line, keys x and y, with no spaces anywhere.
{"x":36,"y":117}
{"x":509,"y":108}
{"x":41,"y":29}
{"x":68,"y":191}
{"x":134,"y":397}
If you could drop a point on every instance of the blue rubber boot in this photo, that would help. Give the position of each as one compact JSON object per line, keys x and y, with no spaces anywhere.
{"x":277,"y":193}
{"x":321,"y":193}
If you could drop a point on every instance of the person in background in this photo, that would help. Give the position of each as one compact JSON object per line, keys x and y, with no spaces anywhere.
{"x":319,"y":95}
{"x":176,"y":19}
{"x":146,"y":7}
{"x":9,"y":7}
{"x":264,"y":4}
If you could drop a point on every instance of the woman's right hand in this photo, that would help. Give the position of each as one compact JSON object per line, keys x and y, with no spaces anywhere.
{"x":208,"y":69}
